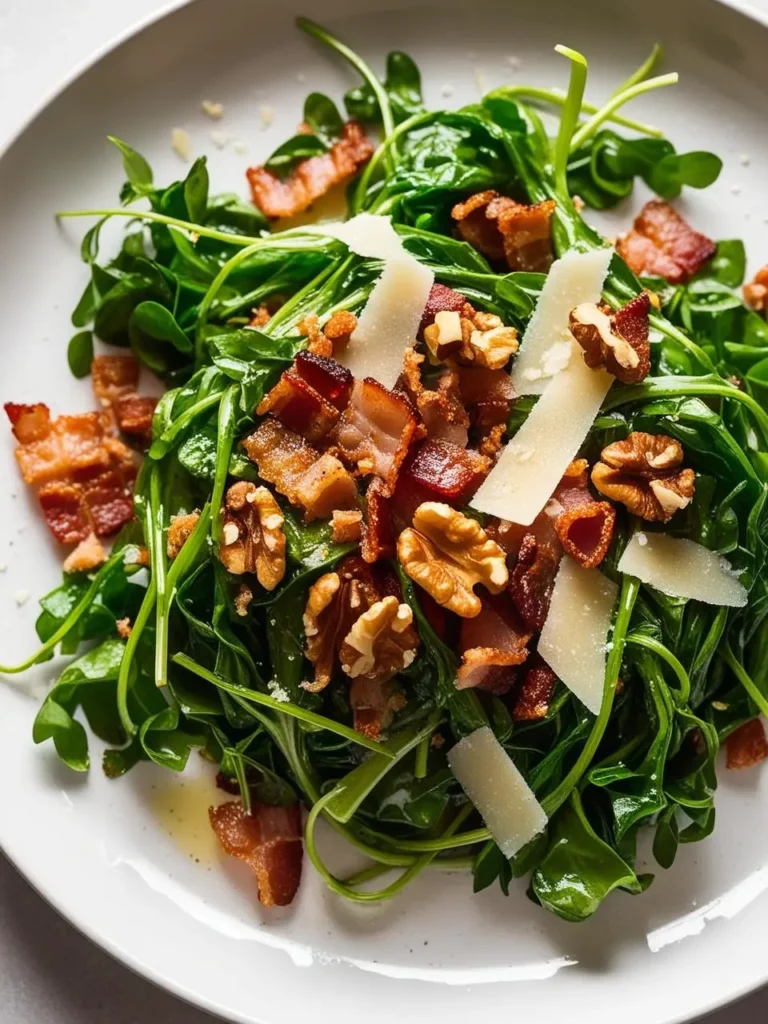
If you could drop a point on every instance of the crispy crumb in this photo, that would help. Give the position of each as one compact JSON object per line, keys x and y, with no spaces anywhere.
{"x":181,"y":143}
{"x":213,"y":110}
{"x":21,"y":597}
{"x":123,"y":627}
{"x":267,"y":114}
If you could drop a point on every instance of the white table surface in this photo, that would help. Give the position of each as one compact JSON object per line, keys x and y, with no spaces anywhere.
{"x":50,"y":974}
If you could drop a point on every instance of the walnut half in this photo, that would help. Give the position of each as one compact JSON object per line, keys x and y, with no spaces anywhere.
{"x":618,"y":342}
{"x":644,"y":473}
{"x":252,"y":537}
{"x":381,"y":643}
{"x":448,"y":554}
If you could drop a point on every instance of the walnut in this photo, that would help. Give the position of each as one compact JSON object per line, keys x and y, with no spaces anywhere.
{"x":643,"y":472}
{"x":374,"y":705}
{"x":243,"y":598}
{"x":252,"y":535}
{"x":475,"y":338}
{"x":493,"y":441}
{"x":448,"y":554}
{"x":334,"y":602}
{"x":381,"y":643}
{"x":444,"y":337}
{"x":179,"y":530}
{"x":493,"y":348}
{"x":618,"y":342}
{"x":346,"y":526}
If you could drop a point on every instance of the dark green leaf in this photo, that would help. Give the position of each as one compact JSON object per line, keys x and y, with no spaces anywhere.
{"x":80,"y":354}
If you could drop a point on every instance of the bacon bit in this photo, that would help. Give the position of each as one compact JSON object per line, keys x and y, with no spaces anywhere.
{"x":493,"y":644}
{"x":586,"y":532}
{"x":376,"y":431}
{"x":179,"y":529}
{"x":88,"y":554}
{"x":747,"y":745}
{"x":82,"y":474}
{"x":532,"y":579}
{"x":124,"y":628}
{"x":346,"y":526}
{"x":378,"y":540}
{"x":312,"y":178}
{"x":501,"y":228}
{"x":339,"y":329}
{"x":442,"y":410}
{"x":441,"y":299}
{"x":487,"y":395}
{"x":299,"y":407}
{"x":260,"y":317}
{"x":374,"y":705}
{"x":534,"y":692}
{"x":134,"y":415}
{"x":756,"y":291}
{"x":317,"y":483}
{"x":113,"y":376}
{"x":450,"y":472}
{"x":329,"y":378}
{"x":269,"y":841}
{"x":662,"y":243}
{"x":493,"y":442}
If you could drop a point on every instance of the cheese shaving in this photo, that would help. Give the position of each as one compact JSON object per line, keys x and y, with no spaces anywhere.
{"x":682,"y":568}
{"x":369,"y":235}
{"x":573,"y":641}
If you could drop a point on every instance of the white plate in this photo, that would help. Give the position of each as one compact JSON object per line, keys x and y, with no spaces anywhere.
{"x":113,"y":857}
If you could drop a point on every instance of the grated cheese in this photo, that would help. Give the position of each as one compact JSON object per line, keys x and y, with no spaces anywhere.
{"x":492,"y":782}
{"x":212,"y":109}
{"x":682,"y":568}
{"x":533,"y":462}
{"x":575,"y":278}
{"x":181,"y":143}
{"x":574,"y":639}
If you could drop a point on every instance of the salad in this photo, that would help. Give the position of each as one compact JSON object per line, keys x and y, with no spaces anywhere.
{"x":450,"y":527}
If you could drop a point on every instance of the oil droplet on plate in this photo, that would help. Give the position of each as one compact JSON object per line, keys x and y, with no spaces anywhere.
{"x":181,"y":809}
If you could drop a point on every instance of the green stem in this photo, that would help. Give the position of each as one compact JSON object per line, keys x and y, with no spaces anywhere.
{"x":383,"y":150}
{"x":422,"y":758}
{"x":619,"y":99}
{"x":630,"y":588}
{"x":161,"y":218}
{"x":124,"y":676}
{"x":744,"y":678}
{"x":284,"y":708}
{"x":652,"y":644}
{"x":570,"y":116}
{"x":224,"y":439}
{"x":378,"y":90}
{"x":556,"y":97}
{"x":643,"y":71}
{"x":158,"y":560}
{"x":161,"y":445}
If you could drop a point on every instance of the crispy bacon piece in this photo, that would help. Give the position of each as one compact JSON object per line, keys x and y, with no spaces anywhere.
{"x":378,"y":539}
{"x":487,"y":395}
{"x":533,"y":692}
{"x":442,"y":410}
{"x":661,"y":242}
{"x":374,"y":705}
{"x":329,"y":378}
{"x":501,"y":228}
{"x":441,"y":299}
{"x":269,"y":841}
{"x":318,"y":483}
{"x":115,"y":379}
{"x":747,"y":745}
{"x":134,"y":415}
{"x":756,"y":291}
{"x":493,"y":644}
{"x":438,"y":471}
{"x":376,"y":431}
{"x":583,"y":525}
{"x":312,"y":178}
{"x":532,"y":579}
{"x":89,"y":554}
{"x":83,"y":475}
{"x":309,"y":397}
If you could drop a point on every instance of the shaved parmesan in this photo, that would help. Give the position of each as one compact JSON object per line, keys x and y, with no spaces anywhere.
{"x":547,"y":345}
{"x":389,"y":322}
{"x":682,"y":568}
{"x":574,"y":639}
{"x":533,"y":462}
{"x":369,"y":235}
{"x":497,"y":789}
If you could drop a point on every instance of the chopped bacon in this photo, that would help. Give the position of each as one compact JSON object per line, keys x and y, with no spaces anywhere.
{"x":534,"y":691}
{"x":442,"y":410}
{"x":329,"y":378}
{"x":662,"y":243}
{"x":501,"y":228}
{"x":378,"y":538}
{"x":374,"y":705}
{"x":493,"y":644}
{"x":487,"y":396}
{"x":299,"y":407}
{"x":318,"y":483}
{"x":88,"y":554}
{"x":583,"y":525}
{"x":83,"y":475}
{"x":260,"y":317}
{"x":451,"y":473}
{"x":441,"y":299}
{"x":115,"y":379}
{"x":747,"y":745}
{"x":376,"y":431}
{"x":346,"y":526}
{"x":532,"y":579}
{"x":313,"y":177}
{"x":269,"y":841}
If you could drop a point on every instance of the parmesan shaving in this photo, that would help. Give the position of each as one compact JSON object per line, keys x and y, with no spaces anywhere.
{"x":575,"y":278}
{"x":533,"y":462}
{"x":369,"y":235}
{"x":574,"y":639}
{"x":490,"y":779}
{"x":682,"y":568}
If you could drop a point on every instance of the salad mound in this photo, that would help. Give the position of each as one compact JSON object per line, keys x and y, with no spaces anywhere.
{"x":451,"y":525}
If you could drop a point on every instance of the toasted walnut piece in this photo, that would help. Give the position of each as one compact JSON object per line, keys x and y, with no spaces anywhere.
{"x":252,"y":534}
{"x":643,"y":473}
{"x":179,"y":530}
{"x":123,"y":627}
{"x":532,"y":579}
{"x":443,"y":338}
{"x":346,"y":526}
{"x":334,"y":602}
{"x":88,"y":554}
{"x":756,"y":291}
{"x":493,"y":348}
{"x":747,"y":745}
{"x":243,"y":598}
{"x":381,"y":643}
{"x":617,"y":342}
{"x":448,"y":554}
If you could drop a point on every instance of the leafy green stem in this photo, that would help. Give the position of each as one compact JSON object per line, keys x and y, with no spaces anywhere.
{"x":743,"y":677}
{"x":618,"y":100}
{"x":643,"y":71}
{"x":225,"y":436}
{"x":558,"y":98}
{"x":569,"y":118}
{"x":124,"y":675}
{"x":650,"y":643}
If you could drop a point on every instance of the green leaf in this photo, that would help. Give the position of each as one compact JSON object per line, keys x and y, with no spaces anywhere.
{"x":137,"y":170}
{"x":196,"y":190}
{"x":728,"y":265}
{"x":403,"y":86}
{"x":323,"y":118}
{"x":156,"y":336}
{"x":89,"y":247}
{"x":697,"y":170}
{"x":80,"y":354}
{"x":292,"y":152}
